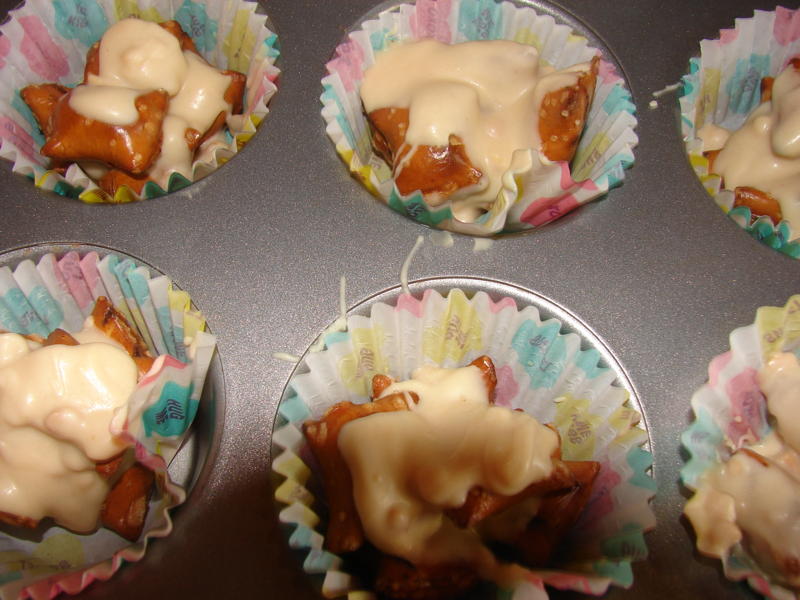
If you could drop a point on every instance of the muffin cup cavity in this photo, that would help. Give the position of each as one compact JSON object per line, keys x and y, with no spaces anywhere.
{"x":722,"y":88}
{"x":604,"y":152}
{"x":48,"y":41}
{"x":54,"y":286}
{"x":730,"y":412}
{"x":541,"y":369}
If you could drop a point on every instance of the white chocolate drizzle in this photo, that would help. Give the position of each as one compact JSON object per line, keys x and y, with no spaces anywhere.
{"x":765,"y":152}
{"x":754,"y":499}
{"x":56,"y":407}
{"x":138,"y":56}
{"x":409,"y":466}
{"x":488,"y":93}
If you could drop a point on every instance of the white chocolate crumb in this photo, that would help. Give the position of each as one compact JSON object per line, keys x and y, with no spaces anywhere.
{"x":482,"y":244}
{"x":443,"y":239}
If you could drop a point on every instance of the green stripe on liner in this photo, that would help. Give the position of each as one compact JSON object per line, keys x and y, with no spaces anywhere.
{"x":293,"y":409}
{"x":620,"y":573}
{"x":9,"y":577}
{"x":640,"y":460}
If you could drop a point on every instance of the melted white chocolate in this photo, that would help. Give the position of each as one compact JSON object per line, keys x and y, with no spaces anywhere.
{"x":202,"y":94}
{"x":749,"y":500}
{"x":56,"y":407}
{"x":110,"y":104}
{"x":138,"y":56}
{"x":779,"y":379}
{"x":488,"y":93}
{"x":765,"y":152}
{"x":409,"y":466}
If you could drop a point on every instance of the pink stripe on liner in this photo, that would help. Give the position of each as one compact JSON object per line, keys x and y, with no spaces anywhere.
{"x":786,"y":28}
{"x":43,"y":55}
{"x":718,"y":363}
{"x":760,"y":584}
{"x":59,"y":276}
{"x":746,"y":401}
{"x":92,"y":276}
{"x":572,"y":581}
{"x":162,"y":362}
{"x":153,"y":462}
{"x":11,"y":131}
{"x":544,"y":210}
{"x":504,"y":302}
{"x":70,"y":267}
{"x":601,"y":502}
{"x":348,"y":64}
{"x":410,"y":304}
{"x":507,"y":386}
{"x":259,"y":93}
{"x":607,"y":72}
{"x":726,"y":36}
{"x":430,"y":20}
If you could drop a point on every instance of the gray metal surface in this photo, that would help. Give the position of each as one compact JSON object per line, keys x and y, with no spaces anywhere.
{"x":655,"y":270}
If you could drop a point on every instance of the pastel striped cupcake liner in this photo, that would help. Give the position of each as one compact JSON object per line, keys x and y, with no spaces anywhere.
{"x":47,"y":42}
{"x":528,"y":199}
{"x":59,"y":291}
{"x":730,"y":411}
{"x":723,"y":87}
{"x":540,"y":370}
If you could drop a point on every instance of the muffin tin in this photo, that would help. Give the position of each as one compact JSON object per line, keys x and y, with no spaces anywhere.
{"x":654,"y":271}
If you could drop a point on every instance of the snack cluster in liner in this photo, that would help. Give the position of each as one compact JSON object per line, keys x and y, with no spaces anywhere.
{"x":524,"y":202}
{"x":723,"y":87}
{"x":730,"y":412}
{"x":48,"y":41}
{"x":539,"y":369}
{"x":60,"y":292}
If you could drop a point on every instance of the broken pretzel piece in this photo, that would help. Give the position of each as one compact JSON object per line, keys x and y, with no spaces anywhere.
{"x":132,"y":148}
{"x":481,"y":503}
{"x":556,"y":515}
{"x":125,"y":507}
{"x":401,"y":580}
{"x":562,"y":116}
{"x":345,"y":532}
{"x":42,"y":100}
{"x":112,"y":323}
{"x":761,"y":204}
{"x":436,"y":171}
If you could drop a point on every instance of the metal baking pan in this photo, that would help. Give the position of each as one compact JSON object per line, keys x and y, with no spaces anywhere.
{"x":654,"y":270}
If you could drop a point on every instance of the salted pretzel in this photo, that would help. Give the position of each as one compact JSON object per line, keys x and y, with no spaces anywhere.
{"x":128,"y":151}
{"x":440,"y":171}
{"x":125,"y":507}
{"x":760,"y":202}
{"x":564,"y":494}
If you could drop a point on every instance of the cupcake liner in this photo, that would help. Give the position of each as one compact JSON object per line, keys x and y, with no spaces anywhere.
{"x":723,"y":87}
{"x":539,"y":369}
{"x":528,"y":199}
{"x":59,"y":291}
{"x":47,"y":41}
{"x":730,"y":412}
